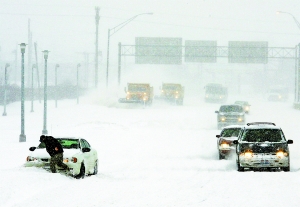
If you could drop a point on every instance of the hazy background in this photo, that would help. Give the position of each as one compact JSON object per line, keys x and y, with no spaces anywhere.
{"x":67,"y":29}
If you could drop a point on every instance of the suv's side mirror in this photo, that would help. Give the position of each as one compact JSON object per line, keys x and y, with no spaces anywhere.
{"x":235,"y":142}
{"x":290,"y":141}
{"x":218,"y":136}
{"x":217,"y":112}
{"x":32,"y":148}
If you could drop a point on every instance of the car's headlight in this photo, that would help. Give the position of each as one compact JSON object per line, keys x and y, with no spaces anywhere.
{"x":240,"y":119}
{"x":222,"y":118}
{"x":247,"y":108}
{"x":281,"y":154}
{"x":224,"y":145}
{"x":66,"y":160}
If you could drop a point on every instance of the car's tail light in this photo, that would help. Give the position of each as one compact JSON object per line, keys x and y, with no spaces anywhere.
{"x":74,"y":159}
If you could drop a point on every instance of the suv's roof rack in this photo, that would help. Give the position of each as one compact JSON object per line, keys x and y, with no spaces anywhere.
{"x":258,"y":123}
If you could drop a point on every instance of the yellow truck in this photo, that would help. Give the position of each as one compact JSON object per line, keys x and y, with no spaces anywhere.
{"x":172,"y":92}
{"x":138,"y":93}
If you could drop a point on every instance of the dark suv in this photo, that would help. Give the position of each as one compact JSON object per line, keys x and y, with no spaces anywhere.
{"x":262,"y":145}
{"x":230,"y":115}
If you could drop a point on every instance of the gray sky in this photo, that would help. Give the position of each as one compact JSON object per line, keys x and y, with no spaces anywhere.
{"x":67,"y":28}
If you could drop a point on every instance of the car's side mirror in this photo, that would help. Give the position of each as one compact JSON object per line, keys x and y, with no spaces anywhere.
{"x":32,"y":148}
{"x":218,"y":136}
{"x":235,"y":142}
{"x":217,"y":112}
{"x":86,"y":149}
{"x":290,"y":141}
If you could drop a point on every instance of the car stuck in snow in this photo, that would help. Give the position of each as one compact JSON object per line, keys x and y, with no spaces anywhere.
{"x":78,"y":155}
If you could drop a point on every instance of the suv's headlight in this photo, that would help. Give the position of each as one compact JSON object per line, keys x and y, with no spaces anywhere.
{"x":247,"y":154}
{"x":281,"y":154}
{"x":240,"y":119}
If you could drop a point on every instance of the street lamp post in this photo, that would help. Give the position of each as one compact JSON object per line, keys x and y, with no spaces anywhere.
{"x":297,"y":87}
{"x":5,"y":85}
{"x":114,"y":30}
{"x":78,"y":65}
{"x":22,"y":137}
{"x":46,"y":52}
{"x":56,"y":66}
{"x":32,"y":94}
{"x":296,"y":21}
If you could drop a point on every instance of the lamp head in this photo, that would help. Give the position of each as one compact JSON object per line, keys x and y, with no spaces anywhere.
{"x":57,"y":65}
{"x":22,"y":46}
{"x":78,"y":65}
{"x":33,"y":65}
{"x":7,"y":65}
{"x":46,"y":52}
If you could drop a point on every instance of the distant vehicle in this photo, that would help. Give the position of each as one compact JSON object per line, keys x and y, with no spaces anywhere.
{"x":79,"y":156}
{"x":262,"y":145}
{"x":278,"y":93}
{"x":138,"y":93}
{"x":232,"y":114}
{"x":215,"y":92}
{"x":225,"y":140}
{"x":172,"y":92}
{"x":245,"y":105}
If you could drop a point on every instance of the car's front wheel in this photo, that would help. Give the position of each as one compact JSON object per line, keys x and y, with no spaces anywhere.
{"x":221,"y":157}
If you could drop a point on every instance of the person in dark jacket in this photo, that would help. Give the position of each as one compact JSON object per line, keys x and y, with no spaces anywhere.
{"x":55,"y":150}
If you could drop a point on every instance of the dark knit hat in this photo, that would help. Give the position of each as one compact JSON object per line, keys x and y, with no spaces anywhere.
{"x":42,"y":138}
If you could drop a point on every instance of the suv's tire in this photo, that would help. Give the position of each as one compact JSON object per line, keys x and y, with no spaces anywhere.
{"x":240,"y":168}
{"x":286,"y":169}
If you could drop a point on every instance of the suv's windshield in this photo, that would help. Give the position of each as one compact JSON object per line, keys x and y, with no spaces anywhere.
{"x":263,"y":135}
{"x":66,"y":143}
{"x":231,"y":108}
{"x":232,"y":132}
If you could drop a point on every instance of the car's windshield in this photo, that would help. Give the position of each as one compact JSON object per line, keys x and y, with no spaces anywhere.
{"x":263,"y":135}
{"x":66,"y":143}
{"x":241,"y":103}
{"x":231,"y":108}
{"x":232,"y":132}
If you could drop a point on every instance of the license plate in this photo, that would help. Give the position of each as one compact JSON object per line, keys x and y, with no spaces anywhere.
{"x":265,"y":162}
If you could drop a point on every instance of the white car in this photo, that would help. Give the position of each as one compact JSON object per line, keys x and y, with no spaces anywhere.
{"x":78,"y":155}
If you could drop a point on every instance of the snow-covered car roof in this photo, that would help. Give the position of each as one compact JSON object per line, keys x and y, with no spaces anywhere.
{"x":261,"y":125}
{"x":233,"y":126}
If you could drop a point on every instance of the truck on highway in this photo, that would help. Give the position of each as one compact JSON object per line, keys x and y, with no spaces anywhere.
{"x":138,"y":93}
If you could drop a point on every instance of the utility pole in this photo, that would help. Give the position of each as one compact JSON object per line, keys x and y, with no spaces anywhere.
{"x":37,"y":72}
{"x":97,"y":18}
